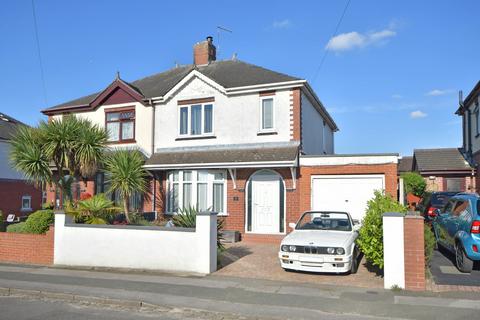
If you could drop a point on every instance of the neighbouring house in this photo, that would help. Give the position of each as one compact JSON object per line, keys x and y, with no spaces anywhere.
{"x":444,"y":169}
{"x":469,"y":110}
{"x":17,"y":195}
{"x":254,"y":145}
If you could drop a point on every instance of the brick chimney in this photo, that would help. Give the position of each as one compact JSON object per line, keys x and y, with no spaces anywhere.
{"x":204,"y":52}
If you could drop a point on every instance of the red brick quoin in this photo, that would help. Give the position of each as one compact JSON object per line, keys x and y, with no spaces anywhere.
{"x":414,"y":253}
{"x":27,"y":248}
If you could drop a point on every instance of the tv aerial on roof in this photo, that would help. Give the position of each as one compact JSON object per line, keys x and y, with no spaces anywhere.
{"x":221,"y":29}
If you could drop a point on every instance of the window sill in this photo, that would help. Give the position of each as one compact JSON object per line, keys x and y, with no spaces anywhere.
{"x":266,"y":133}
{"x":26,"y":209}
{"x":199,"y":137}
{"x":122,"y":142}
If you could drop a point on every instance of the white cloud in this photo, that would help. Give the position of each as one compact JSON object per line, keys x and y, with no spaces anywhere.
{"x":417,"y":114}
{"x":354,"y":39}
{"x":282,"y":24}
{"x":397,"y":96}
{"x":438,"y":92}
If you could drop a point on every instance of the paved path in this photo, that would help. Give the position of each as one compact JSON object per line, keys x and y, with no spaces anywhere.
{"x":239,"y":298}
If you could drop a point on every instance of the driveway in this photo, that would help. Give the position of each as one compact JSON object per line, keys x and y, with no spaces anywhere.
{"x":259,"y":261}
{"x":444,"y":272}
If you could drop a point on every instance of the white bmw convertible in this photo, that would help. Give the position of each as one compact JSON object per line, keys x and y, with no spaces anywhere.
{"x":321,"y":242}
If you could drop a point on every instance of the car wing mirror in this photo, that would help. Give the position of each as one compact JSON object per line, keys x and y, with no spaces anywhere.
{"x":292,"y":225}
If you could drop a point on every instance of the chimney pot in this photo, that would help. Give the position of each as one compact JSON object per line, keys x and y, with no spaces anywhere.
{"x":204,"y":52}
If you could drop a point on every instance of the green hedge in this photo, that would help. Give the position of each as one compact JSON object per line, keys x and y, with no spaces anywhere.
{"x":16,"y":227}
{"x":39,"y":221}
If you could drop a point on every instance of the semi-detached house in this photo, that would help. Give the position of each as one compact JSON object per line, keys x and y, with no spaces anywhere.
{"x":254,"y":145}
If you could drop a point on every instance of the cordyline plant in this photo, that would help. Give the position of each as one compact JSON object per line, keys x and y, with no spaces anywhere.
{"x":58,"y":151}
{"x":126,"y":175}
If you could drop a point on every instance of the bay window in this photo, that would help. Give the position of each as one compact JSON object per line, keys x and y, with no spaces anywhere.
{"x":120,"y":125}
{"x":196,"y":120}
{"x":203,"y":189}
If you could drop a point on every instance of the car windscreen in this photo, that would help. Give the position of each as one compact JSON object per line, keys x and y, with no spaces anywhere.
{"x":441,"y":199}
{"x":334,"y":221}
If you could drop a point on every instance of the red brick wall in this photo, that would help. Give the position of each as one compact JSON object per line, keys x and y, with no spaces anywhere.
{"x":414,"y":253}
{"x":27,"y":248}
{"x":11,"y":192}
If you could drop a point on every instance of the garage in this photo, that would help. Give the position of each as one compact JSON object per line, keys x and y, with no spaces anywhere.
{"x":345,"y":182}
{"x":348,"y":193}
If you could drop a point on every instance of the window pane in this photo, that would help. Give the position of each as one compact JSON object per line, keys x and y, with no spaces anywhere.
{"x":174,"y":198}
{"x":127,"y":130}
{"x":207,"y":125}
{"x":218,"y":197}
{"x":267,"y":114}
{"x":202,"y":196}
{"x":218,"y":176}
{"x":26,"y":203}
{"x":202,"y":175}
{"x":175,"y":176}
{"x":113,"y":116}
{"x":113,"y":129}
{"x":187,"y":175}
{"x":187,"y":195}
{"x":196,"y":119}
{"x":183,"y":120}
{"x":127,"y":115}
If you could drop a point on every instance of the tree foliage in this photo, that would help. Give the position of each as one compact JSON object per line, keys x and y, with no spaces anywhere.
{"x":93,"y":210}
{"x":414,"y":183}
{"x":126,"y":174}
{"x":73,"y":146}
{"x":370,"y":238}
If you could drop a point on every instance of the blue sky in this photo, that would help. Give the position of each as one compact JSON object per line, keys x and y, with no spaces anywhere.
{"x":390,"y":79}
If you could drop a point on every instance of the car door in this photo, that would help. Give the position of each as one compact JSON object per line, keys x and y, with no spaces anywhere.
{"x":442,"y":222}
{"x":453,"y":225}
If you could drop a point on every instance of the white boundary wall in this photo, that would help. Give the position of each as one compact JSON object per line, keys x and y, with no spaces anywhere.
{"x":393,"y":250}
{"x":137,"y":247}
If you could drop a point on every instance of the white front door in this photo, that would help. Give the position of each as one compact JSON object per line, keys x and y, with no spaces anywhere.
{"x":265,"y":204}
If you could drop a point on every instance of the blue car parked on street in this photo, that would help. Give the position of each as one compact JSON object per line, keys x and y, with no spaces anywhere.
{"x":457,"y":228}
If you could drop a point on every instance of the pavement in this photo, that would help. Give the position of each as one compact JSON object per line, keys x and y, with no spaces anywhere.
{"x":444,"y":271}
{"x":30,"y":292}
{"x":260,"y":261}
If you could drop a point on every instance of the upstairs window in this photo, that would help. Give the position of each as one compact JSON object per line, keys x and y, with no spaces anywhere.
{"x":196,"y":120}
{"x":120,"y":125}
{"x":26,"y":203}
{"x":267,"y":115}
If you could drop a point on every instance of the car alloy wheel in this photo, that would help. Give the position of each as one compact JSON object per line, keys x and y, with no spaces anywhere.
{"x":464,"y":264}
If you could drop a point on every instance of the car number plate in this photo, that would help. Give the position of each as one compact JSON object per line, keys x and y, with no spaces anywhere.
{"x":311,"y":259}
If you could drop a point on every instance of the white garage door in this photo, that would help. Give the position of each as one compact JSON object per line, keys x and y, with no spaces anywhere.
{"x":348,"y":193}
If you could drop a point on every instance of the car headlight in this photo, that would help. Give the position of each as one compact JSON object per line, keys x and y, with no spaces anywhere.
{"x":340,"y":251}
{"x":292,"y":248}
{"x":285,"y":248}
{"x":330,"y":250}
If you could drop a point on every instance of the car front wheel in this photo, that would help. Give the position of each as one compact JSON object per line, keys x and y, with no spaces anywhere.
{"x":464,"y":264}
{"x":354,"y":264}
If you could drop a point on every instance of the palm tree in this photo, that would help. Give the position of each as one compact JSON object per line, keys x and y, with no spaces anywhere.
{"x":72,"y":146}
{"x":126,"y":175}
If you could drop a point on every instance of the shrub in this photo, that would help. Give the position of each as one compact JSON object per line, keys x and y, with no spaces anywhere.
{"x":370,"y":239}
{"x":430,"y":240}
{"x":414,"y":183}
{"x":187,"y":218}
{"x":93,"y":210}
{"x":16,"y":227}
{"x":39,"y":222}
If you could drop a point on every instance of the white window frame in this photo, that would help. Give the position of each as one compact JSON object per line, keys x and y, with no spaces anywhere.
{"x":194,"y":181}
{"x":324,"y":137}
{"x":202,"y":120}
{"x":29,"y":198}
{"x":260,"y":124}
